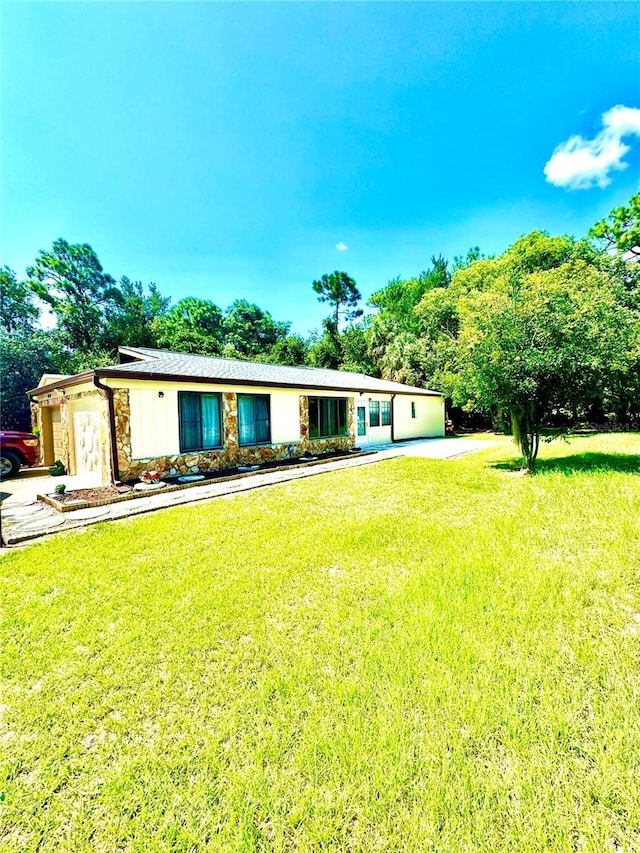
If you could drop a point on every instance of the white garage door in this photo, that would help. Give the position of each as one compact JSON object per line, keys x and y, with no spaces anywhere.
{"x":86,"y":428}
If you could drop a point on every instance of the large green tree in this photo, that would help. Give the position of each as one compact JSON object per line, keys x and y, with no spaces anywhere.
{"x":341,"y":292}
{"x":621,"y":228}
{"x":25,"y":355}
{"x":534,"y":340}
{"x":250,"y":331}
{"x":17,"y":311}
{"x":401,"y":296}
{"x":191,"y":325}
{"x":133,"y":321}
{"x":291,"y":350}
{"x":326,"y":350}
{"x":71,"y":281}
{"x":396,"y":336}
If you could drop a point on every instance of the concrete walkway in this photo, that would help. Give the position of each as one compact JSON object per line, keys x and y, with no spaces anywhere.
{"x":25,"y":518}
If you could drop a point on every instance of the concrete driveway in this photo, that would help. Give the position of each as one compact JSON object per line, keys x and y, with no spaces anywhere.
{"x":434,"y":448}
{"x":36,"y":481}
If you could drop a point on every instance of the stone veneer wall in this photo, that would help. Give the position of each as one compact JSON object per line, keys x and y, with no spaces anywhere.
{"x":231,"y":454}
{"x":36,"y":420}
{"x":122,"y":417}
{"x":35,"y":410}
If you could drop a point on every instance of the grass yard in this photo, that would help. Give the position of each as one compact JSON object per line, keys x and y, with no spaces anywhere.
{"x":411,"y":656}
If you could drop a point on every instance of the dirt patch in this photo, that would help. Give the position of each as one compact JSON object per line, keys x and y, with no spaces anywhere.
{"x":100,"y":493}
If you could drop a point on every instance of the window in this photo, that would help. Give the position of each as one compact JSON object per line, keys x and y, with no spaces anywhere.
{"x":374,"y":413}
{"x":413,"y":409}
{"x":385,"y":412}
{"x":327,"y":417}
{"x":200,"y":421}
{"x":253,"y":419}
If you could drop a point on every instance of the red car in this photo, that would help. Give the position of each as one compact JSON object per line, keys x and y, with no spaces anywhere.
{"x":16,"y":449}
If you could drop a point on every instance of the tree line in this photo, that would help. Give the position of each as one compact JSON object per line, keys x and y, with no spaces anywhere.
{"x":545,"y":333}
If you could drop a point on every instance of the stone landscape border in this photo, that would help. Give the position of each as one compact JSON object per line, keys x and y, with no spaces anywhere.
{"x":69,"y":506}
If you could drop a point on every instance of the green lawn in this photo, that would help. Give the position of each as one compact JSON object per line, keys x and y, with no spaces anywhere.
{"x":410,"y":656}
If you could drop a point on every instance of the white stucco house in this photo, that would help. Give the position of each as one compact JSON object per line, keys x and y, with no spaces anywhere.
{"x":180,"y":413}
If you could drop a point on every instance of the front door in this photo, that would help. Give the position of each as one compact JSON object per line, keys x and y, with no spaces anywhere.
{"x":362,"y":426}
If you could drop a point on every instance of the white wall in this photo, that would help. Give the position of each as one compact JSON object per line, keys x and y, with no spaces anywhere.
{"x":155,"y":428}
{"x":154,"y":419}
{"x":285,"y":416}
{"x":375,"y":434}
{"x":429,"y":419}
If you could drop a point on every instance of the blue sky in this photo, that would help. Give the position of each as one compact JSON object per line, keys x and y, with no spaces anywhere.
{"x":225,"y":150}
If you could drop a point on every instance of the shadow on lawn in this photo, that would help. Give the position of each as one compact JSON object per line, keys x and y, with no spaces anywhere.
{"x":581,"y":463}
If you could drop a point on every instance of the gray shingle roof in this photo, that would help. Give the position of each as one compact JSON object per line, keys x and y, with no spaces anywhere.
{"x":165,"y":364}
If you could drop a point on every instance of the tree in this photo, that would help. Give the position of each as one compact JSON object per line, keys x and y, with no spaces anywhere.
{"x":340,"y":291}
{"x":70,"y":279}
{"x":133,"y":320}
{"x":401,"y":296}
{"x":191,"y":325}
{"x":249,"y":330}
{"x":326,"y":351}
{"x":17,"y":311}
{"x":461,"y":262}
{"x":25,"y":356}
{"x":291,"y":350}
{"x":621,"y":228}
{"x":355,"y":350}
{"x":534,"y":341}
{"x":396,"y":336}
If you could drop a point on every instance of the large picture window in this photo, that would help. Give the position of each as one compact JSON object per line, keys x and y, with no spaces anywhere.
{"x":385,"y":413}
{"x":328,"y":417}
{"x":253,"y":419}
{"x":200,"y":421}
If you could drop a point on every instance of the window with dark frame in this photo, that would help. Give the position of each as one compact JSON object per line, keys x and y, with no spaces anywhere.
{"x":200,"y":420}
{"x":385,"y":413}
{"x":328,"y":417}
{"x":413,"y":409}
{"x":374,"y":413}
{"x":254,"y":421}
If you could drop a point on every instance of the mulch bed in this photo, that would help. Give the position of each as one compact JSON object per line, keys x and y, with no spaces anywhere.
{"x":102,"y":495}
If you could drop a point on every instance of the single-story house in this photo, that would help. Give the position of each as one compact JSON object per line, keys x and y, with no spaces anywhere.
{"x":180,"y":414}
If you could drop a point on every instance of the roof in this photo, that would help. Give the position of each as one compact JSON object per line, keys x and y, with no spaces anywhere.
{"x":164,"y":365}
{"x":48,"y":378}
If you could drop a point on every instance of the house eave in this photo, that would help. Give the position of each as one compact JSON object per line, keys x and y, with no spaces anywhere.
{"x":114,"y":373}
{"x":77,"y":379}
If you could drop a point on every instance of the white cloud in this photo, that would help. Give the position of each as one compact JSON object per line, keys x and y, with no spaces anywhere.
{"x":341,"y":247}
{"x":579,"y":163}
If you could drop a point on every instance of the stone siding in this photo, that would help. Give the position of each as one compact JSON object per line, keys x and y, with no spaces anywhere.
{"x":35,"y":410}
{"x":122,"y":417}
{"x":231,"y":454}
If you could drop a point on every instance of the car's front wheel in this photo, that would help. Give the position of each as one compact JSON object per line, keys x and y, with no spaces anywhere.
{"x":9,"y":464}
